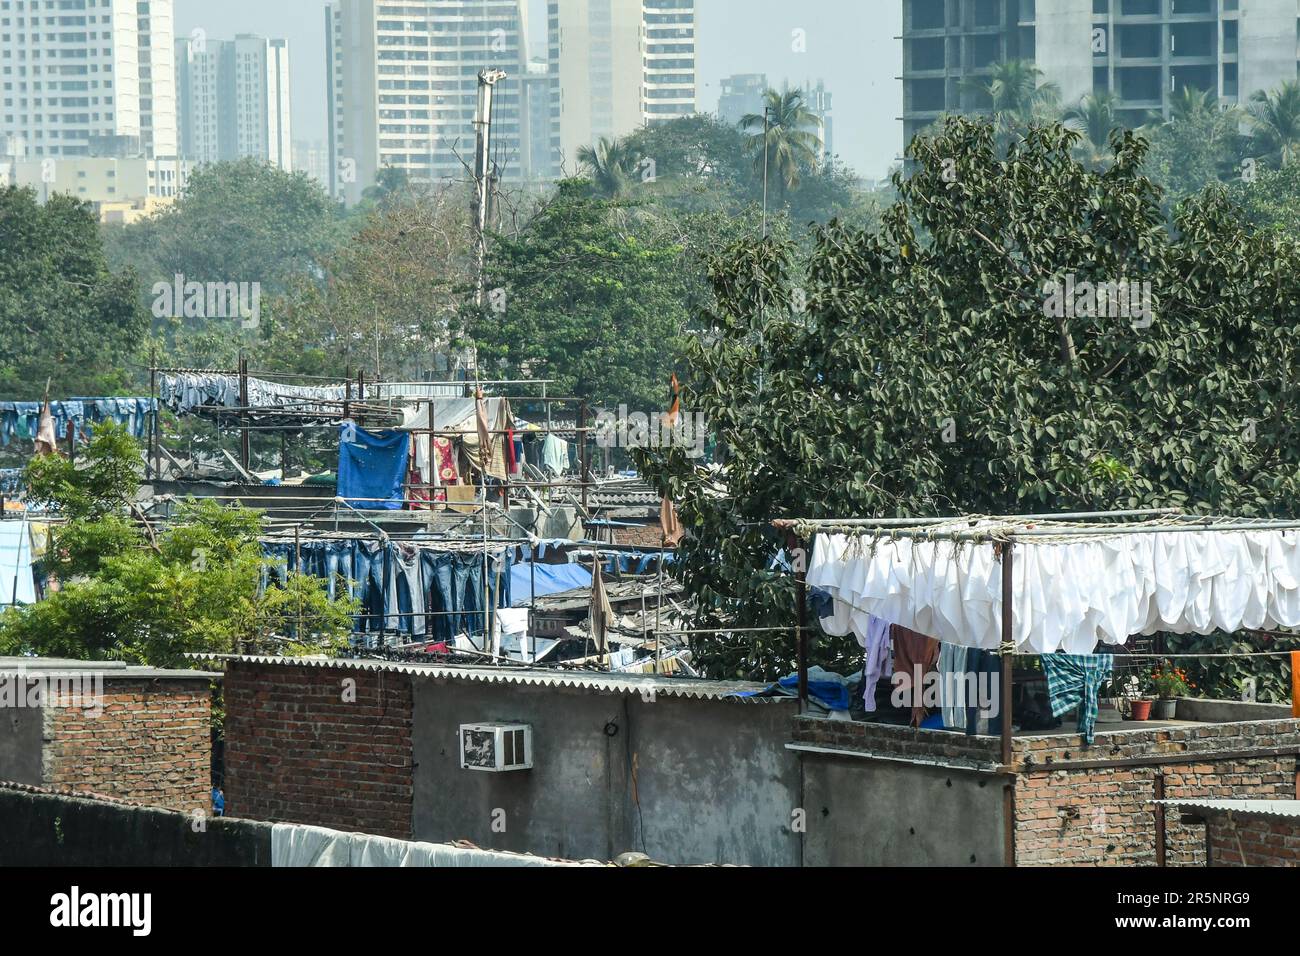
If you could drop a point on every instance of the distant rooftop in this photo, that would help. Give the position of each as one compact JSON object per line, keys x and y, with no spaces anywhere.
{"x":660,"y":685}
{"x":111,"y":670}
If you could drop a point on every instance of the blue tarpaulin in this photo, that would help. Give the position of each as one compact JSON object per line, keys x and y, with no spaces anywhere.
{"x":551,"y":579}
{"x":372,"y":468}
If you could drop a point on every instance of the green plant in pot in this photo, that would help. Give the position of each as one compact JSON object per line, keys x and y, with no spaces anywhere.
{"x":1169,"y":683}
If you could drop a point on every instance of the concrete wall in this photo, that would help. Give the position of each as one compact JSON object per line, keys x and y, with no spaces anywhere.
{"x":46,"y":829}
{"x":20,"y":744}
{"x":685,"y":781}
{"x":1063,"y":46}
{"x":879,"y":813}
{"x":1267,"y":40}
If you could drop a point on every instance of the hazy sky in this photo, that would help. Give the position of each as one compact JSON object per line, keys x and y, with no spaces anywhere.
{"x":849,"y":43}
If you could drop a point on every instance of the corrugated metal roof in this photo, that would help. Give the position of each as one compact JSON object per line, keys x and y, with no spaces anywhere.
{"x":109,"y":670}
{"x":581,"y":680}
{"x":1281,"y":809}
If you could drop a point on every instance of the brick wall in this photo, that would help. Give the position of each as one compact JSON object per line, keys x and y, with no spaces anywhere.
{"x":1253,"y":841}
{"x":1103,"y":816}
{"x":1066,"y":814}
{"x":888,"y":740}
{"x":645,"y":536}
{"x":152,"y":744}
{"x":301,"y":749}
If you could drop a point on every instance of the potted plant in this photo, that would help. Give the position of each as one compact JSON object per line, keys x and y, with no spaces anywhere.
{"x":1170,"y":683}
{"x":1132,"y":694}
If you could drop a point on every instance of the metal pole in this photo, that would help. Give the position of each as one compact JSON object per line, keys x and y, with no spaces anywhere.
{"x":244,"y":450}
{"x":487,"y":80}
{"x":801,"y":596}
{"x":767,"y":112}
{"x":659,"y":598}
{"x":434,"y":473}
{"x":154,"y":454}
{"x":1007,"y":650}
{"x":582,"y":453}
{"x":297,"y":567}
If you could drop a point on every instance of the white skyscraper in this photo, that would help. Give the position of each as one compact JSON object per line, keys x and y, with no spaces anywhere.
{"x":87,"y":77}
{"x":403,"y":87}
{"x":234,"y":100}
{"x":617,"y":65}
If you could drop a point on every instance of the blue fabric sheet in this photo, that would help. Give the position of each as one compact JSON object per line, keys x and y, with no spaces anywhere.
{"x":551,"y":579}
{"x":372,"y":468}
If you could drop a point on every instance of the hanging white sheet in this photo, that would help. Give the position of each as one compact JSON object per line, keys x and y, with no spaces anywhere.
{"x":1068,"y":594}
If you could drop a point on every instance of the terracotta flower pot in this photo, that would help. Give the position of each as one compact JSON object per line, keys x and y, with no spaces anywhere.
{"x":1141,"y":709}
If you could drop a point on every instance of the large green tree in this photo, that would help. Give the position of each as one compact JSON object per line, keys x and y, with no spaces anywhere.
{"x":926,"y":369}
{"x":383,"y":301}
{"x":590,"y":294}
{"x":65,"y":316}
{"x":236,"y":222}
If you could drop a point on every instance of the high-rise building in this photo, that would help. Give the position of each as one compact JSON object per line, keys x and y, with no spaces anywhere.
{"x":669,"y":31}
{"x":742,"y":95}
{"x":617,"y":65}
{"x":87,"y":77}
{"x":1142,"y":51}
{"x":403,"y":88}
{"x":817,"y":99}
{"x":234,"y":99}
{"x":540,"y":131}
{"x":312,"y":158}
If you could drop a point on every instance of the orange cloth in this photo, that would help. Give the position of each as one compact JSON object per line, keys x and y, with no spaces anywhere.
{"x":669,"y":526}
{"x":1295,"y":683}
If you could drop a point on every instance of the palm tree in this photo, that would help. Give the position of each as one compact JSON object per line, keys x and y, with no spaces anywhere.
{"x":785,"y":138}
{"x":1276,"y":119}
{"x":611,"y":166}
{"x":1017,"y":94}
{"x":1191,"y":103}
{"x":1095,"y":118}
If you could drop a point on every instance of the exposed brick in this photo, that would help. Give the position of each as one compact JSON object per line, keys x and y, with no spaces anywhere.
{"x":298,"y":752}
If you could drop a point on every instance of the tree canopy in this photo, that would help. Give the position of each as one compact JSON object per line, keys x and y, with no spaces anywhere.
{"x":65,"y":317}
{"x":934,"y":367}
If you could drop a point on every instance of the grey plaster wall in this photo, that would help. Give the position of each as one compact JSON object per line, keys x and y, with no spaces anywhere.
{"x":21,"y":741}
{"x":43,"y":829}
{"x":888,"y":813}
{"x":685,"y":781}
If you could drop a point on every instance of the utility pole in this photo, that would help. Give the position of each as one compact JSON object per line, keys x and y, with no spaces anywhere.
{"x":767,"y":151}
{"x":487,"y":81}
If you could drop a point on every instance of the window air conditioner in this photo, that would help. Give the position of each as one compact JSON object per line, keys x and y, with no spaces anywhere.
{"x":496,"y":747}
